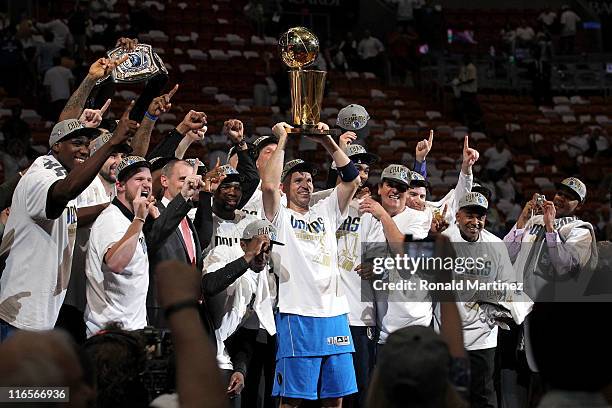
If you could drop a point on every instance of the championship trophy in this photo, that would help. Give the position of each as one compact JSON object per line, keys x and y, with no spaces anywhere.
{"x":298,"y":48}
{"x":142,"y":63}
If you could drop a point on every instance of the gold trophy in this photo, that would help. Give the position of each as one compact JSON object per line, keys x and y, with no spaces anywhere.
{"x":299,"y":47}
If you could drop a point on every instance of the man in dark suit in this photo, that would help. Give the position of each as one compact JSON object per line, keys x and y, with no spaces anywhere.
{"x":182,"y":244}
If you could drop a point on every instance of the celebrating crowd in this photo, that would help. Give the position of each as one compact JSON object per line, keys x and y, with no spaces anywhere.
{"x":107,"y":235}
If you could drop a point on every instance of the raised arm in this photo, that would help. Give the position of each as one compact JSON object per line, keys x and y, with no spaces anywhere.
{"x":99,"y":69}
{"x":464,"y":182}
{"x":271,"y":173}
{"x":140,"y":141}
{"x":420,"y":154}
{"x":349,"y":175}
{"x":249,"y":176}
{"x":82,"y":175}
{"x":193,"y":128}
{"x":121,"y":253}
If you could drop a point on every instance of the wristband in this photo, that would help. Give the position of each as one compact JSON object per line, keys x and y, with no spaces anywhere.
{"x":348,"y":172}
{"x":178,"y":306}
{"x":150,"y":117}
{"x":139,"y":219}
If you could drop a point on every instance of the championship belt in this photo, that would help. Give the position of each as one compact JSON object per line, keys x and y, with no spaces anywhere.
{"x":142,"y":63}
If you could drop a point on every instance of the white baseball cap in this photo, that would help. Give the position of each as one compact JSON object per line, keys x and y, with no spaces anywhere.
{"x":352,"y":117}
{"x":474,"y":200}
{"x":396,"y":172}
{"x":71,"y":128}
{"x":575,"y":185}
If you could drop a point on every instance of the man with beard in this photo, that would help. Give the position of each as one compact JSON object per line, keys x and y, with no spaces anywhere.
{"x":471,"y":241}
{"x":44,"y":218}
{"x":314,"y":360}
{"x":240,"y":295}
{"x":117,"y":262}
{"x":570,"y":247}
{"x":367,"y":222}
{"x":228,"y":221}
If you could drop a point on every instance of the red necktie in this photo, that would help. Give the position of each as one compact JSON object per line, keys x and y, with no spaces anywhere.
{"x":188,"y":241}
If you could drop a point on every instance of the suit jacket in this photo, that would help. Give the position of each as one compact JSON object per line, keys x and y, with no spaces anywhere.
{"x":165,"y":242}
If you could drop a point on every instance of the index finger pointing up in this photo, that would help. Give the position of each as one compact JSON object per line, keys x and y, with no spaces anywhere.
{"x":105,"y":107}
{"x":173,"y":91}
{"x":431,"y":134}
{"x":466,"y":144}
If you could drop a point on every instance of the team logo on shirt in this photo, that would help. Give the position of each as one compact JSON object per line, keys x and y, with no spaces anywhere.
{"x":351,"y":224}
{"x":59,"y":170}
{"x":338,"y":341}
{"x":315,"y":227}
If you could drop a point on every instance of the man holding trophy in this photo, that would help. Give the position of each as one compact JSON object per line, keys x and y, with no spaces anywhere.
{"x":314,"y":360}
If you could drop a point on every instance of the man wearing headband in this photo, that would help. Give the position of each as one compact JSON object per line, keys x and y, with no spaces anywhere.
{"x":309,"y":367}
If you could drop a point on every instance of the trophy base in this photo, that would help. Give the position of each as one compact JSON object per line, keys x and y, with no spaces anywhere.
{"x":314,"y":132}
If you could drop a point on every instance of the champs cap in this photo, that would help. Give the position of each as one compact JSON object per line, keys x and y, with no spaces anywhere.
{"x":352,"y":117}
{"x":263,"y":141}
{"x":202,"y":168}
{"x":231,"y":174}
{"x":358,"y":155}
{"x":157,"y":163}
{"x":417,"y":179}
{"x":128,"y":163}
{"x":261,"y":227}
{"x":71,"y":128}
{"x":101,"y":140}
{"x":576,"y":186}
{"x":298,"y":165}
{"x":396,"y":172}
{"x":414,"y":366}
{"x":474,"y":200}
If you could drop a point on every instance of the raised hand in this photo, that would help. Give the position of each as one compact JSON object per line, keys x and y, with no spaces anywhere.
{"x":346,"y":139}
{"x":124,"y":127}
{"x":162,"y":103}
{"x":192,"y":186}
{"x":234,"y":130}
{"x":141,"y":205}
{"x":470,"y":156}
{"x":213,"y":178}
{"x":193,"y":125}
{"x":280,"y":129}
{"x":92,"y":118}
{"x":153,"y":211}
{"x":423,"y":147}
{"x":439,"y":223}
{"x":128,"y":44}
{"x":104,"y":66}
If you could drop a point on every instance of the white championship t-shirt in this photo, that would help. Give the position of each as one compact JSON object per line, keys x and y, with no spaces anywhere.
{"x":357,"y":229}
{"x":249,"y":299}
{"x":37,"y":271}
{"x":229,"y":232}
{"x":477,"y":333}
{"x":93,"y":195}
{"x":115,"y":297}
{"x":401,"y":308}
{"x":307,"y":265}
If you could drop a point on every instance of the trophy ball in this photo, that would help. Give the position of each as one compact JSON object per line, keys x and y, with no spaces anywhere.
{"x":298,"y":47}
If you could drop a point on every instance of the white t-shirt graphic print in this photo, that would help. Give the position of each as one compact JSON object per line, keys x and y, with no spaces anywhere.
{"x":307,"y":265}
{"x":37,"y":269}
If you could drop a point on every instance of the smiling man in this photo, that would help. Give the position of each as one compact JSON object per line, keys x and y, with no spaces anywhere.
{"x":308,"y":365}
{"x":44,"y":220}
{"x":471,"y":241}
{"x":570,"y":245}
{"x":228,"y":221}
